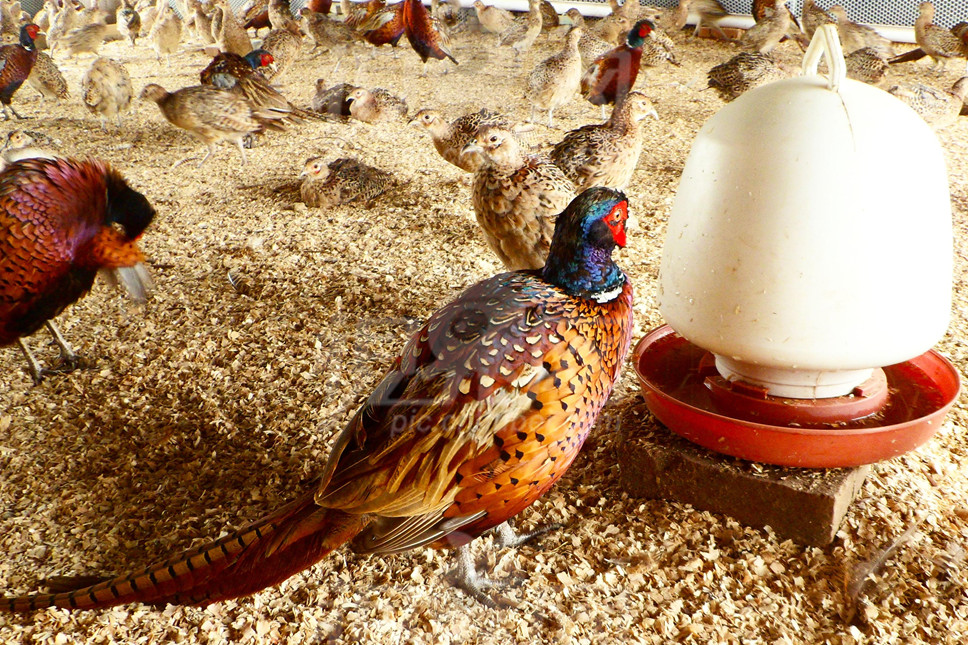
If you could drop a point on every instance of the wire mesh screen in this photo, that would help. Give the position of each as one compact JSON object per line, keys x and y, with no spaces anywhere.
{"x":902,"y":13}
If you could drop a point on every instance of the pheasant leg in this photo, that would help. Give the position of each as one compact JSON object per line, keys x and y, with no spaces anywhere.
{"x":69,"y":359}
{"x":36,"y":371}
{"x":507,"y":537}
{"x":474,"y":584}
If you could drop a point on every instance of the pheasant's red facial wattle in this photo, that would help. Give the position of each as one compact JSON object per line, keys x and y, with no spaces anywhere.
{"x":615,"y":221}
{"x":266,"y":60}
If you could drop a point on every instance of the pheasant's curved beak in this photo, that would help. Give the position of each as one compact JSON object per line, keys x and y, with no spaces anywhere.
{"x":652,"y":113}
{"x":415,"y":122}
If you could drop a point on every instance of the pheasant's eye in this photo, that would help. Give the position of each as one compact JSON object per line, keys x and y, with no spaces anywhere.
{"x":494,"y":138}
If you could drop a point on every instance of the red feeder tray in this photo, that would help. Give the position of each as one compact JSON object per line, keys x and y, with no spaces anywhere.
{"x":682,"y":393}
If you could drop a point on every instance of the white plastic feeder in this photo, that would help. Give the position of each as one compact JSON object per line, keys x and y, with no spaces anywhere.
{"x":810,"y":240}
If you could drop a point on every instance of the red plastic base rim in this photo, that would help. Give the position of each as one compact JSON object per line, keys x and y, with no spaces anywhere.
{"x":668,"y":367}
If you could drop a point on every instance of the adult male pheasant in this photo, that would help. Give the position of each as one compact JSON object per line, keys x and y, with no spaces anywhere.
{"x":485,"y":408}
{"x":16,"y":61}
{"x":61,"y":222}
{"x":611,"y":76}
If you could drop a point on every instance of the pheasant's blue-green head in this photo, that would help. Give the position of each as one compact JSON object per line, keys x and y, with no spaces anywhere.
{"x":259,"y":58}
{"x":639,"y":32}
{"x":586,"y":233}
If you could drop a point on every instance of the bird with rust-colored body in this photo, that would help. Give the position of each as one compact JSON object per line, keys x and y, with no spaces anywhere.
{"x":424,"y":33}
{"x":256,"y":16}
{"x":384,"y":27}
{"x":484,"y":410}
{"x":516,"y":198}
{"x":605,"y":154}
{"x":611,"y":76}
{"x":61,"y":222}
{"x":16,"y":62}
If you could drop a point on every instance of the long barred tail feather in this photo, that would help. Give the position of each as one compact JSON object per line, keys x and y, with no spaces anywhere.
{"x":259,"y":555}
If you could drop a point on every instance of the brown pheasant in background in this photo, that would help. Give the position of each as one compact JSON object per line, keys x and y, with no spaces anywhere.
{"x":285,"y":45}
{"x":358,"y":13}
{"x":605,"y":154}
{"x":959,"y":31}
{"x":166,"y":33}
{"x":21,"y":145}
{"x":230,"y":35}
{"x":128,"y":21}
{"x":939,"y":108}
{"x":451,"y":138}
{"x":211,"y":114}
{"x":854,"y":36}
{"x":937,"y":42}
{"x":333,"y":100}
{"x":16,"y":62}
{"x":61,"y":222}
{"x":743,"y":72}
{"x":46,"y":78}
{"x":590,"y":45}
{"x":324,"y":30}
{"x":611,"y":76}
{"x":710,"y":12}
{"x":549,"y":16}
{"x":493,"y":19}
{"x":813,"y":17}
{"x":376,"y":105}
{"x":770,"y":29}
{"x":106,"y":89}
{"x":521,"y":35}
{"x":483,"y":411}
{"x":341,"y":181}
{"x":659,"y":49}
{"x":516,"y":198}
{"x":256,"y":16}
{"x":86,"y":38}
{"x":866,"y":65}
{"x":556,"y":80}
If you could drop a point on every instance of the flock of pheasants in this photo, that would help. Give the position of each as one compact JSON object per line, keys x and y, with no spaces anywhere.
{"x":491,"y":399}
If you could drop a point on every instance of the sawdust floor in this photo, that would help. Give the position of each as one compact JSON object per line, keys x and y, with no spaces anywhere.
{"x":216,"y":403}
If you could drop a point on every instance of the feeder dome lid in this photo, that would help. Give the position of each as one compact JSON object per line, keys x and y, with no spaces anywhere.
{"x":812,"y":228}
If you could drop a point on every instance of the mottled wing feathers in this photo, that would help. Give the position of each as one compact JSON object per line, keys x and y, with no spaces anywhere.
{"x":464,"y":409}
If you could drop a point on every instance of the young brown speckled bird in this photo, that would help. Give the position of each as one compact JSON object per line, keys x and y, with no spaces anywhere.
{"x":485,"y":409}
{"x":493,"y":19}
{"x":710,"y":12}
{"x":549,"y":16}
{"x":659,"y":49}
{"x":451,"y":138}
{"x":866,"y":65}
{"x":556,"y":80}
{"x":939,"y":108}
{"x":333,"y":100}
{"x":16,"y":62}
{"x":521,"y":35}
{"x":341,"y":181}
{"x":86,"y":38}
{"x":61,"y":222}
{"x":230,"y":35}
{"x":106,"y":89}
{"x":46,"y":78}
{"x":813,"y":17}
{"x":937,"y":42}
{"x":165,"y":35}
{"x":324,"y":30}
{"x":767,"y":33}
{"x":605,"y":154}
{"x":210,"y":114}
{"x":376,"y":105}
{"x":516,"y":198}
{"x":285,"y":45}
{"x":854,"y":36}
{"x":128,"y":21}
{"x":590,"y":45}
{"x":743,"y":72}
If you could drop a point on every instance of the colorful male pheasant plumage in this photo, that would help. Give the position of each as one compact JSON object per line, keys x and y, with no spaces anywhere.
{"x":62,"y":221}
{"x":612,"y":75}
{"x":16,"y":62}
{"x":485,"y":409}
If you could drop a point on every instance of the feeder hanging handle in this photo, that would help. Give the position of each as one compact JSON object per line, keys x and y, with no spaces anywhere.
{"x":826,"y":44}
